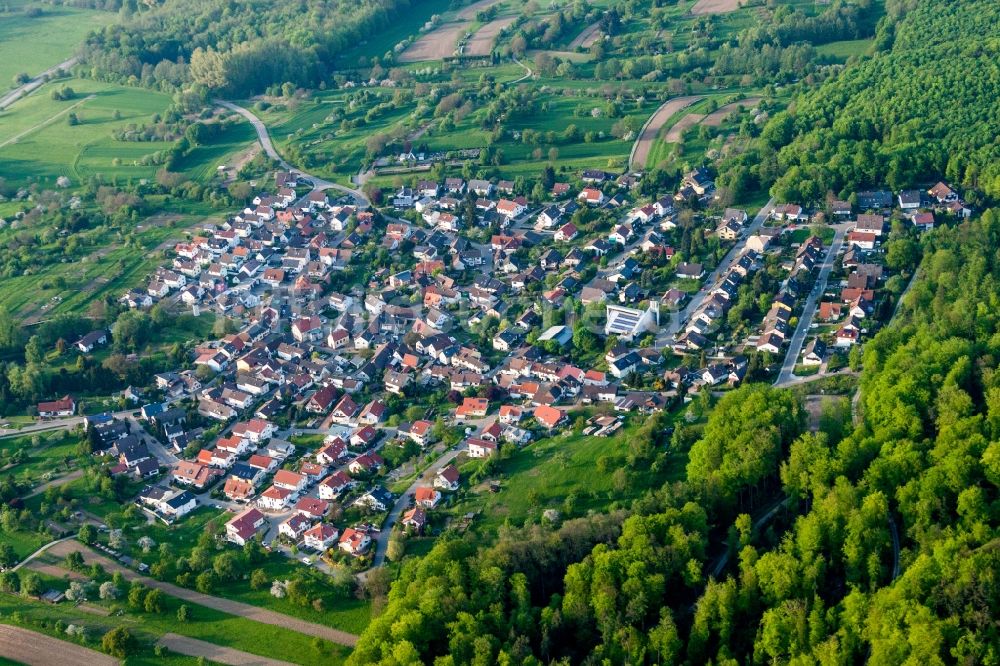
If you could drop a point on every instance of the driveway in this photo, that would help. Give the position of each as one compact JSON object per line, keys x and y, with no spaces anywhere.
{"x":34,"y":649}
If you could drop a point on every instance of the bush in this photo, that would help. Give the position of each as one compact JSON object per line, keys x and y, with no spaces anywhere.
{"x":118,"y":642}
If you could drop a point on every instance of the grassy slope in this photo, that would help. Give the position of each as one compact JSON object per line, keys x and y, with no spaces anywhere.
{"x":32,"y":45}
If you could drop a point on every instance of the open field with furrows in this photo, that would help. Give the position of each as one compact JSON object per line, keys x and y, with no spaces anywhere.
{"x":715,"y":6}
{"x":483,"y":40}
{"x":586,"y":38}
{"x":440,"y":42}
{"x":32,"y":44}
{"x":406,"y":25}
{"x":647,"y":137}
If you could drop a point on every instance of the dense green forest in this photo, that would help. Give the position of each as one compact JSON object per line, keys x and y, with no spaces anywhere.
{"x":922,"y":107}
{"x":823,"y":582}
{"x":234,"y":47}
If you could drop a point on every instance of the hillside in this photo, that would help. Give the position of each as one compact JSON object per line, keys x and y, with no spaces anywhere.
{"x":915,"y":111}
{"x":235,"y":47}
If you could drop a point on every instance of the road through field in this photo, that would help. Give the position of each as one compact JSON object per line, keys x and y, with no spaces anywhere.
{"x":34,"y":649}
{"x":29,"y":87}
{"x":18,"y":137}
{"x":238,"y":608}
{"x":647,"y":135}
{"x":192,"y":647}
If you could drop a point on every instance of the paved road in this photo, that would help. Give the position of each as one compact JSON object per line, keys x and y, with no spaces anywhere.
{"x":679,"y":318}
{"x":319,"y":184}
{"x":33,"y":84}
{"x":215,"y":653}
{"x":403,"y":503}
{"x":29,"y":647}
{"x":254,"y":613}
{"x":809,"y":310}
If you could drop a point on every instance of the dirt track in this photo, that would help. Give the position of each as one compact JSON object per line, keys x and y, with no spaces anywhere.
{"x":482,"y":42}
{"x":215,"y":653}
{"x":647,"y":137}
{"x":254,"y":613}
{"x":715,"y":6}
{"x":34,"y":649}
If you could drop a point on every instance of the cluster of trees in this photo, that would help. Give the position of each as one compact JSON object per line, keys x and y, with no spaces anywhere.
{"x":909,"y":115}
{"x":235,"y":48}
{"x":880,"y":547}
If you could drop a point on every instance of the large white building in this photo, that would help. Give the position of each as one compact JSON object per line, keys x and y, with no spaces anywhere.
{"x":627,"y":323}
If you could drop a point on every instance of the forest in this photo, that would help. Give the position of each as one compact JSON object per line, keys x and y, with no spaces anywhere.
{"x":881,"y":545}
{"x":920,"y":108}
{"x":232,"y":47}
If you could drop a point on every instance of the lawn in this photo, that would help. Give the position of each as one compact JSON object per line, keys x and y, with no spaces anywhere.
{"x":31,"y":45}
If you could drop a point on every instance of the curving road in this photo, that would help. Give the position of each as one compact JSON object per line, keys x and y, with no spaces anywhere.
{"x":319,"y":184}
{"x":35,"y":83}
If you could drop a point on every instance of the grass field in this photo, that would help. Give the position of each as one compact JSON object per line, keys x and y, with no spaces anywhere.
{"x":48,"y":459}
{"x":841,"y":51}
{"x":205,"y":624}
{"x":541,"y":476}
{"x":33,"y":44}
{"x":38,"y":143}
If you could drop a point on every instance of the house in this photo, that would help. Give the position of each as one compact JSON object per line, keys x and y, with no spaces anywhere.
{"x":365,"y":463}
{"x":690,"y":271}
{"x":627,"y":323}
{"x":294,"y":526}
{"x":179,"y":505}
{"x":238,"y":490}
{"x":427,"y":497}
{"x":814,"y":352}
{"x":87,"y":343}
{"x":480,"y":448}
{"x":566,"y":233}
{"x":195,"y":474}
{"x":592,"y":196}
{"x":320,"y":537}
{"x":447,"y":478}
{"x":910,"y":200}
{"x":364,"y":437}
{"x":549,"y":417}
{"x":65,"y":406}
{"x":245,"y":526}
{"x":942,"y":193}
{"x":472,"y":408}
{"x":376,"y":499}
{"x":290,"y":480}
{"x":355,"y":542}
{"x":332,"y":486}
{"x":862,"y":239}
{"x":418,"y":431}
{"x":255,"y":431}
{"x":274,"y":498}
{"x":415,"y":519}
{"x":373,"y":413}
{"x":870,"y":223}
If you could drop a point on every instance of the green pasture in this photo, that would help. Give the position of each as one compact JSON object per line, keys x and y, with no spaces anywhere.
{"x":31,"y":45}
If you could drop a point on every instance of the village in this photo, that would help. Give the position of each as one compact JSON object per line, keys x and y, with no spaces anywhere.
{"x":465,"y":318}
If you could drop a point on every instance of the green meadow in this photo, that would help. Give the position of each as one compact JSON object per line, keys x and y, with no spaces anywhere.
{"x":31,"y":45}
